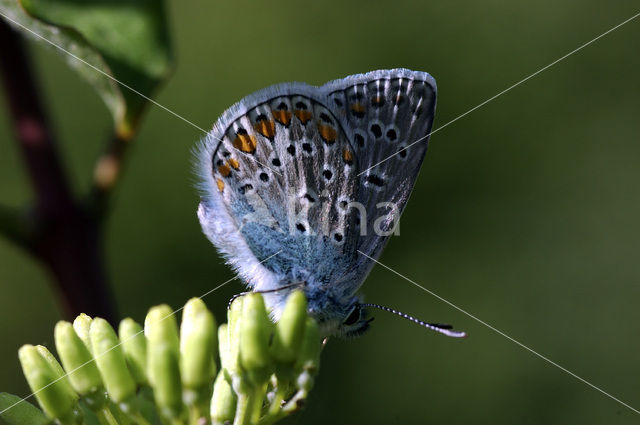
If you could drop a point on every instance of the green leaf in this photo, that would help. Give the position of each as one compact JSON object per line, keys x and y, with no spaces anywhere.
{"x":20,"y":412}
{"x":127,"y":41}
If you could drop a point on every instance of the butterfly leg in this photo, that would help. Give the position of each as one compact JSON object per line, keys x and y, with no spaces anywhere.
{"x":266,"y":291}
{"x":232,"y":299}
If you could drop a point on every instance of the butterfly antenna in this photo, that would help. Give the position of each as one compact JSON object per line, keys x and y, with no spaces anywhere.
{"x":441,"y":328}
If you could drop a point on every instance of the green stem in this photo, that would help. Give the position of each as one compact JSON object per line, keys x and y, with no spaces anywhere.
{"x":292,"y":406}
{"x":140,"y":420}
{"x":249,"y":406}
{"x":197,"y":412}
{"x":271,"y":418}
{"x":106,"y":417}
{"x":257,"y":403}
{"x":243,"y":411}
{"x":281,"y":393}
{"x":130,"y":413}
{"x":295,"y":403}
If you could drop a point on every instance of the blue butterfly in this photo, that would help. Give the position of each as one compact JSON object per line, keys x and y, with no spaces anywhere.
{"x":302,"y":184}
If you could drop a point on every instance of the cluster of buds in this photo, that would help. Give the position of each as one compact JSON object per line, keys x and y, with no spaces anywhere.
{"x":166,"y":375}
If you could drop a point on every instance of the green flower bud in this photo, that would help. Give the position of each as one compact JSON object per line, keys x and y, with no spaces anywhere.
{"x":134,"y":345}
{"x":163,"y":367}
{"x":82,"y":324}
{"x":234,"y":318}
{"x":223,"y":403}
{"x":198,"y":340}
{"x":16,"y":411}
{"x":164,"y":374}
{"x":290,"y":329}
{"x":51,"y":390}
{"x":111,"y":362}
{"x":56,"y":368}
{"x":255,"y":332}
{"x":224,"y":345}
{"x":77,"y":360}
{"x":309,"y":359}
{"x":160,"y":325}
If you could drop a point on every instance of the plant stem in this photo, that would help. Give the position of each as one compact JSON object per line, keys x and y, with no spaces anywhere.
{"x":258,"y":401}
{"x":107,"y":172}
{"x":249,"y":406}
{"x":243,"y":410}
{"x":281,"y":393}
{"x":33,"y":132}
{"x":106,"y":417}
{"x":66,"y":238}
{"x":197,"y":415}
{"x":294,"y":404}
{"x":140,"y":420}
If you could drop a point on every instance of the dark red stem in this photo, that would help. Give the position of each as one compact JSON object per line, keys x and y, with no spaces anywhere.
{"x":66,"y":237}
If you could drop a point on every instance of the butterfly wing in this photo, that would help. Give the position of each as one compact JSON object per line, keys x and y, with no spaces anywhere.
{"x":271,"y":170}
{"x":297,"y":180}
{"x":388,"y":116}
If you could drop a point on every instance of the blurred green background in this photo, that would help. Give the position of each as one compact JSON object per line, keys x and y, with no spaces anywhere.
{"x":525,"y":214}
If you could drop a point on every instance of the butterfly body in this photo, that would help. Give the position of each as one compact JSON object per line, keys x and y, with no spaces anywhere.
{"x":289,"y":195}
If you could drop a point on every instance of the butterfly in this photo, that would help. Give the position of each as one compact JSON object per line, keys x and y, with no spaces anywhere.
{"x":302,"y":186}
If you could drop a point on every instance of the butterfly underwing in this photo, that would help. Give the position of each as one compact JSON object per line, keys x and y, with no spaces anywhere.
{"x":300,"y":185}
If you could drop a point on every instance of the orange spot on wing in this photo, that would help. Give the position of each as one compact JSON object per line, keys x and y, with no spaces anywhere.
{"x":245,"y":143}
{"x":282,"y":116}
{"x":266,"y":127}
{"x":224,"y":170}
{"x":233,"y":163}
{"x":303,"y":115}
{"x":328,"y":133}
{"x":347,"y":156}
{"x":358,"y":107}
{"x":220,"y":184}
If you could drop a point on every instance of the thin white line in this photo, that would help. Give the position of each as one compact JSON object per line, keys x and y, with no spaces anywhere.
{"x":505,"y":90}
{"x":503,"y":334}
{"x":122,"y":342}
{"x":125,"y":85}
{"x":388,"y":268}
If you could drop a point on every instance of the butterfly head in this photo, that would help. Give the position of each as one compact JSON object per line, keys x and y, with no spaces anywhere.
{"x":339,"y":316}
{"x":356,"y":322}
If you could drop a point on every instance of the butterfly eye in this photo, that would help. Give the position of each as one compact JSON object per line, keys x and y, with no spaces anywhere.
{"x":353,"y":317}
